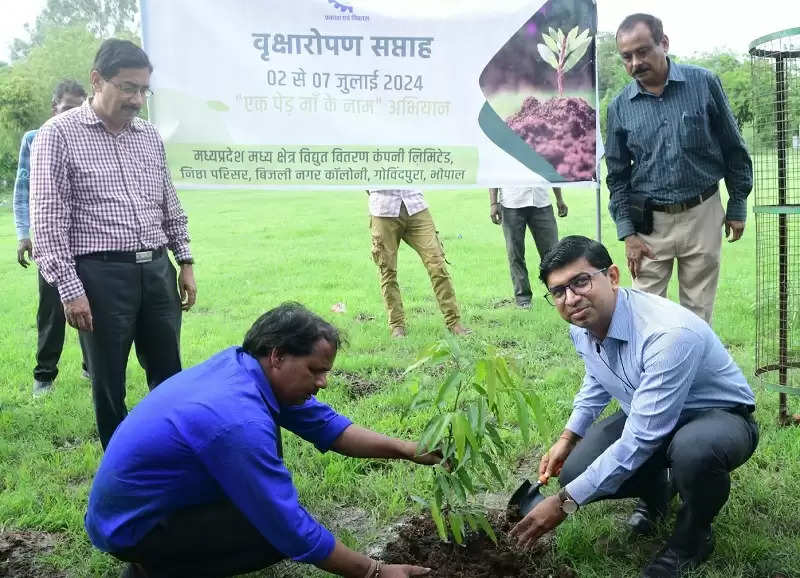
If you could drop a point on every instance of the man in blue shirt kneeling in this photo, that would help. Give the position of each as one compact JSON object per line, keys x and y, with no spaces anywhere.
{"x":193,"y":481}
{"x":684,"y":405}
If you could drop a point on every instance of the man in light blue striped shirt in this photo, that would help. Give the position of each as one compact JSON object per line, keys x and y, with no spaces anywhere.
{"x":671,"y":137}
{"x":684,"y":405}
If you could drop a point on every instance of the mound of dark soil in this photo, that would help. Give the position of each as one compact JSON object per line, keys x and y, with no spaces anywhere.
{"x":18,"y":552}
{"x":418,"y":543}
{"x":562,"y":130}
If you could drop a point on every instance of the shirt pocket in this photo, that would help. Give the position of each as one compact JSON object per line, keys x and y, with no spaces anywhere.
{"x":693,"y":131}
{"x":95,"y":184}
{"x":150,"y":177}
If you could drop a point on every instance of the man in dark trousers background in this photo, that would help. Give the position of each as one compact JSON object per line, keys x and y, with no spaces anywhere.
{"x":50,"y":320}
{"x":105,"y":213}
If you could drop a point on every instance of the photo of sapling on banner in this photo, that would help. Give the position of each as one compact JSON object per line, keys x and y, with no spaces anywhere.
{"x":541,"y":82}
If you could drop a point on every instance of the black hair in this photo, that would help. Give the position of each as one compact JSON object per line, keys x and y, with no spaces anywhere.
{"x":289,"y":328}
{"x":114,"y":54}
{"x":570,"y":249}
{"x":653,"y":23}
{"x":67,"y":86}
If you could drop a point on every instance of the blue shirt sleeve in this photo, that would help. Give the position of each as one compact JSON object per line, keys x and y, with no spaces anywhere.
{"x":315,"y":422}
{"x":589,"y":402}
{"x":22,"y":188}
{"x":244,"y":460}
{"x":618,"y":165}
{"x":671,"y":361}
{"x":738,"y":165}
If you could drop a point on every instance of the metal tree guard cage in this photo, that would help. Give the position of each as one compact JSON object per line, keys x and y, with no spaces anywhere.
{"x":775,"y":61}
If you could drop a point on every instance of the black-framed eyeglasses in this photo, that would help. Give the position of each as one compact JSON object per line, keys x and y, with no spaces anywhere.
{"x":581,"y":284}
{"x":130,"y":89}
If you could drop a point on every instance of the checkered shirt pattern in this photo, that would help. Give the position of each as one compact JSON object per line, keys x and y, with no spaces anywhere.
{"x":386,"y":202}
{"x":93,"y":191}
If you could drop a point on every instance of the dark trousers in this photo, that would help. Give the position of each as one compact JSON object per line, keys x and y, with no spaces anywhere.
{"x":50,"y":324}
{"x":129,"y":301}
{"x":203,"y":541}
{"x":542,"y":223}
{"x":702,"y":450}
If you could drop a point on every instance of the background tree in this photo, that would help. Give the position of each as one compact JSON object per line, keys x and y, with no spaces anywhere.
{"x":734,"y":73}
{"x":101,"y":18}
{"x":26,"y":87}
{"x":60,"y":44}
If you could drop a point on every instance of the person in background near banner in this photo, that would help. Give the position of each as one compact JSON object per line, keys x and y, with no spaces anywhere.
{"x":671,"y":136}
{"x":685,"y":405}
{"x":104,"y":213}
{"x":50,"y":313}
{"x":402,"y":214}
{"x":193,"y":482}
{"x":517,"y":208}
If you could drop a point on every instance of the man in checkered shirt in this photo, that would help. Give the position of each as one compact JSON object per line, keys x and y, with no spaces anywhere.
{"x":50,"y":322}
{"x":104,"y":213}
{"x":399,"y":214}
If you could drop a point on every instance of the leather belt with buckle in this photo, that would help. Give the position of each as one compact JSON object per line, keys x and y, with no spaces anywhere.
{"x":686,"y":205}
{"x":143,"y":256}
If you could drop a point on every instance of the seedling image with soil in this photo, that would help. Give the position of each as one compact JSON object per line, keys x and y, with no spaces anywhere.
{"x":541,"y":83}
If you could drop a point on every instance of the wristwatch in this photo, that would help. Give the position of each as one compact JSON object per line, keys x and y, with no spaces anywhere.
{"x":568,"y":505}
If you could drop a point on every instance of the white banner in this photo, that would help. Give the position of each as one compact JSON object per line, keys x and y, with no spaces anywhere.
{"x":447,"y":93}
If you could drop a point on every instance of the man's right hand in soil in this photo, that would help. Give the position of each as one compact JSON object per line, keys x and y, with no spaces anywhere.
{"x":24,"y":245}
{"x":345,"y":562}
{"x":635,"y":249}
{"x":402,"y":570}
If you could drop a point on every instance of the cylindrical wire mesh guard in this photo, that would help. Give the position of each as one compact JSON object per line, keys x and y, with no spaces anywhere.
{"x":775,"y":63}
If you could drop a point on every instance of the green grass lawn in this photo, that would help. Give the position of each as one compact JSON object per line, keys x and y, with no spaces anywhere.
{"x":255,"y":250}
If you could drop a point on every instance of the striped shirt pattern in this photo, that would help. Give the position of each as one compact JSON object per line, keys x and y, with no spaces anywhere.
{"x":674,"y":146}
{"x":386,"y":202}
{"x":22,"y":187}
{"x":657,"y":360}
{"x":93,"y":191}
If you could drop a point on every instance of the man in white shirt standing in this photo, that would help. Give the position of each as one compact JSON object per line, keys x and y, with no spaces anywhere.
{"x":517,"y":208}
{"x":402,"y":214}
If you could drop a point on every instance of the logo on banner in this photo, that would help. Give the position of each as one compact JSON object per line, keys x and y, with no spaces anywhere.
{"x":341,"y":7}
{"x":344,"y":12}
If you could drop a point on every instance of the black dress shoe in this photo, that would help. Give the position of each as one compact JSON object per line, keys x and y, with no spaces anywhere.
{"x":674,"y":561}
{"x":644,"y":518}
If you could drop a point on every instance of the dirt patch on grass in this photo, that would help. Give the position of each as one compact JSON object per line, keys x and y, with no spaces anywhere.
{"x":358,"y":385}
{"x":67,"y":444}
{"x":19,"y":550}
{"x":500,"y":303}
{"x":418,"y":543}
{"x":508,"y":344}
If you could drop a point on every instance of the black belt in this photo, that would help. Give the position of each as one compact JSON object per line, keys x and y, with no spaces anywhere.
{"x":686,"y":205}
{"x":143,"y":256}
{"x":742,"y":410}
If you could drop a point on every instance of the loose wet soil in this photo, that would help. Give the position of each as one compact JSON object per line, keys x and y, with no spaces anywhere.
{"x":418,"y":543}
{"x":563,"y":131}
{"x":358,"y":385}
{"x":19,"y":550}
